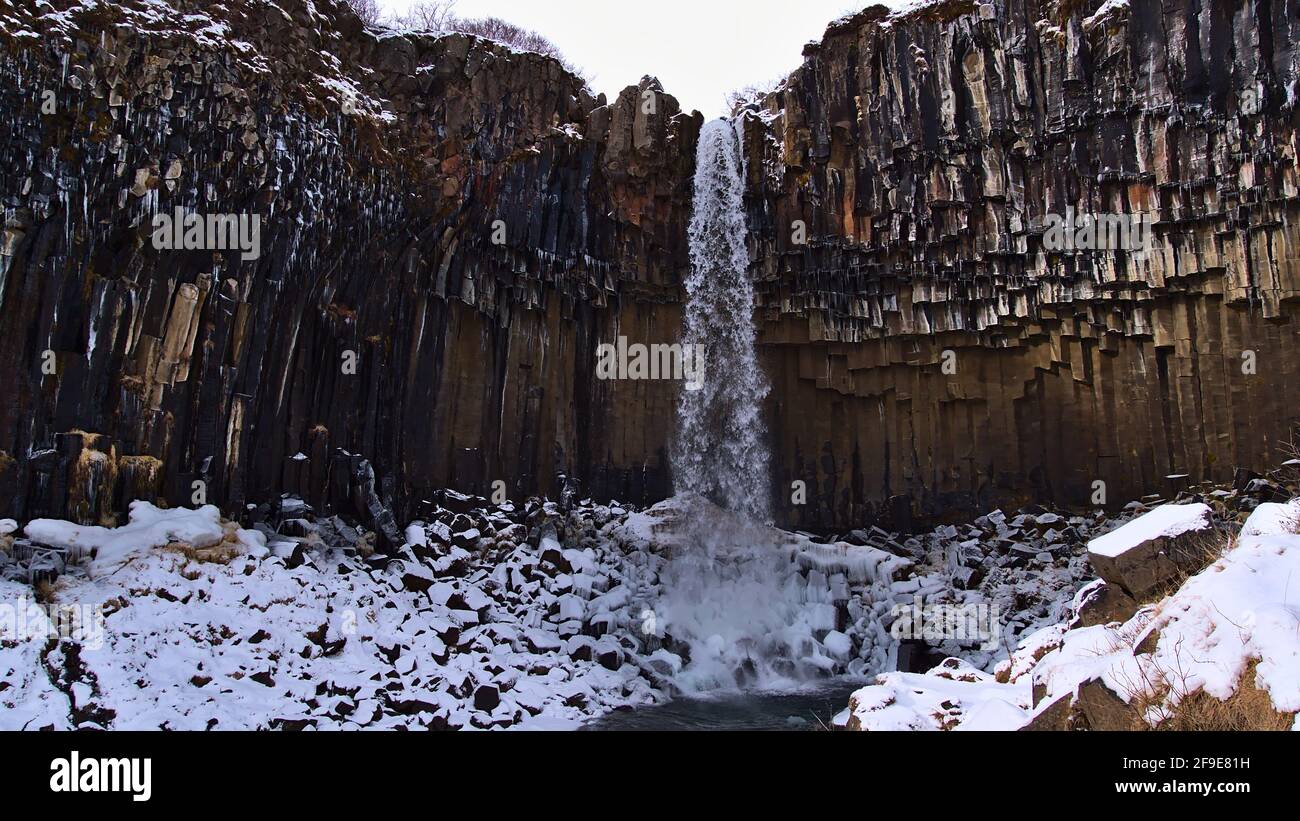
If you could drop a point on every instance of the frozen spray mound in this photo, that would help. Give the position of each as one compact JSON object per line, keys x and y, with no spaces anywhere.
{"x":747,"y":605}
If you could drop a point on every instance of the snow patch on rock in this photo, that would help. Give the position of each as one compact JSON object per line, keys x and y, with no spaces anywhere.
{"x":148,"y":527}
{"x":1164,"y":521}
{"x":1240,"y":609}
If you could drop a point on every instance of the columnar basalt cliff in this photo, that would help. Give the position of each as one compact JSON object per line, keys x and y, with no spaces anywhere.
{"x":924,"y":152}
{"x":450,"y":228}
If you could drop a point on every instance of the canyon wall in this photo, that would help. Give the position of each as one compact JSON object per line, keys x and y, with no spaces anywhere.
{"x":923,"y":153}
{"x":449,"y":228}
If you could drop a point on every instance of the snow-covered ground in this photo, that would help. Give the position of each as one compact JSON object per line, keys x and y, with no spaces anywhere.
{"x":286,"y":636}
{"x":487,"y":617}
{"x":1242,"y":608}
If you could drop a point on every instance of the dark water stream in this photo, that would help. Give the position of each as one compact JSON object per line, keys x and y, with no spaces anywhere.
{"x":802,"y":711}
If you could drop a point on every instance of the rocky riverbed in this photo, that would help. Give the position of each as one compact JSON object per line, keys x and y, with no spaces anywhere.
{"x":497,"y":616}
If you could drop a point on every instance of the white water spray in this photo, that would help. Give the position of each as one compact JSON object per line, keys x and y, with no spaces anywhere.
{"x":721,"y":450}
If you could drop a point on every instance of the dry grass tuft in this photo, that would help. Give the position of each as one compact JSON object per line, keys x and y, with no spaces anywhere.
{"x":220,"y":553}
{"x":1290,"y":452}
{"x":44,"y":591}
{"x":223,"y":552}
{"x":1198,"y":552}
{"x":1250,"y":709}
{"x":1163,"y":701}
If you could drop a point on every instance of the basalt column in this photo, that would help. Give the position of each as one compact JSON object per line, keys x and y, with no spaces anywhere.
{"x":930,"y":352}
{"x":448,"y":231}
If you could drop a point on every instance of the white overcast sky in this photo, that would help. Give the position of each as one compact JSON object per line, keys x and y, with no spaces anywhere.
{"x":699,"y":49}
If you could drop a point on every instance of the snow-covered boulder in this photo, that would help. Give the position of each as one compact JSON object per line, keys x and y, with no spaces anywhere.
{"x":952,"y":696}
{"x":1149,"y":551}
{"x":149,"y":527}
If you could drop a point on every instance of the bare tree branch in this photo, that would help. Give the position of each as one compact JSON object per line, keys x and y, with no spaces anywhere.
{"x":367,"y":10}
{"x":742,"y":97}
{"x":440,"y":16}
{"x":429,"y":15}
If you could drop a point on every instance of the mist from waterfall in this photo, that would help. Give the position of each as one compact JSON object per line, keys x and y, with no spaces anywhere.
{"x":721,"y":450}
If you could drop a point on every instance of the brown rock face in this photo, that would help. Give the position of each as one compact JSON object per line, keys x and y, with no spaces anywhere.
{"x":1105,"y":604}
{"x":1094,"y":707}
{"x":924,"y":155}
{"x":449,"y":229}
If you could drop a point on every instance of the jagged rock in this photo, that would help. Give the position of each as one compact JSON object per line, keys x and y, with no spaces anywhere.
{"x":487,"y":698}
{"x":580,"y":648}
{"x":554,"y":558}
{"x":917,"y":657}
{"x":608,"y":654}
{"x":1104,"y":710}
{"x":1104,"y":604}
{"x":1059,"y":715}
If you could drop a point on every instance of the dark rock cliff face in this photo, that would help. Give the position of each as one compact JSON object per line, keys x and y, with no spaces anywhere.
{"x":450,"y":228}
{"x":924,"y":152}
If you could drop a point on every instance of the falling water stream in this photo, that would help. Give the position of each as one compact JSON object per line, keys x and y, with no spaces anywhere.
{"x":728,"y":593}
{"x":721,"y":449}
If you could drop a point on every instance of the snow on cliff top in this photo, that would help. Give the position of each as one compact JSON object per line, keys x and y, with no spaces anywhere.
{"x":327,"y":83}
{"x":1164,"y":521}
{"x":152,"y":16}
{"x":888,"y":12}
{"x":1107,"y":10}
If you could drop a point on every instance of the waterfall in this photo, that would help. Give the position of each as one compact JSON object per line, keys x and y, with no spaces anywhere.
{"x":721,"y":450}
{"x":739,"y":599}
{"x":731,"y":591}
